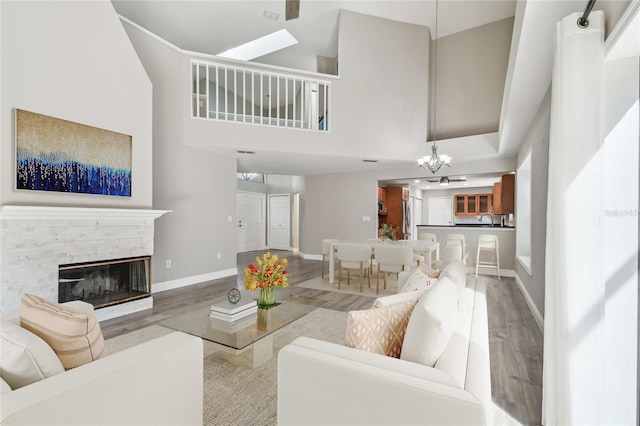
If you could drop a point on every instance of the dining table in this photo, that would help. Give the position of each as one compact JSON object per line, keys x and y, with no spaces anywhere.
{"x":422,"y":247}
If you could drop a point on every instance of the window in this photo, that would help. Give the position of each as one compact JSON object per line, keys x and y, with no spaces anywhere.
{"x":523,"y":213}
{"x":251,"y":177}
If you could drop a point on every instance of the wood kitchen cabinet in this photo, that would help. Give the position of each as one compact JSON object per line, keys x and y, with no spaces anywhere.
{"x":485,"y":204}
{"x":507,"y":193}
{"x":503,"y":195}
{"x":473,"y":204}
{"x":497,"y":198}
{"x":394,"y":207}
{"x":382,"y":195}
{"x":382,"y":206}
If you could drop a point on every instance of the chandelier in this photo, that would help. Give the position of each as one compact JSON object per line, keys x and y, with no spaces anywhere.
{"x":434,"y":161}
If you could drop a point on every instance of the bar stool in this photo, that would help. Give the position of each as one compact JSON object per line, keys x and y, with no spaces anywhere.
{"x":458,"y":240}
{"x":489,"y":243}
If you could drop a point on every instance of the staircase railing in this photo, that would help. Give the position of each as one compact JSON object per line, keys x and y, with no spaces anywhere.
{"x":245,"y":95}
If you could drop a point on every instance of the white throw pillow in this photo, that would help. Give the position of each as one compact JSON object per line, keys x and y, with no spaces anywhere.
{"x":456,"y":272}
{"x":431,"y":324}
{"x":418,"y":281}
{"x":392,"y":299}
{"x":26,"y":358}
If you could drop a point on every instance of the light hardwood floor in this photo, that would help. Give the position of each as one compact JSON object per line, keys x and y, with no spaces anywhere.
{"x":515,"y":340}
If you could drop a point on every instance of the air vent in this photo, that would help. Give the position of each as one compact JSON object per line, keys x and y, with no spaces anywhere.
{"x":369,"y":161}
{"x":245,"y":152}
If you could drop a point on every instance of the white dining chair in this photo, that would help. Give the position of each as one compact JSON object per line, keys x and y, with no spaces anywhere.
{"x":391,"y":259}
{"x":326,"y":247}
{"x":354,"y":257}
{"x":431,"y":238}
{"x":458,"y":240}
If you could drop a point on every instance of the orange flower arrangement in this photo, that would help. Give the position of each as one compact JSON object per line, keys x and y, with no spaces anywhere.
{"x":269,"y":273}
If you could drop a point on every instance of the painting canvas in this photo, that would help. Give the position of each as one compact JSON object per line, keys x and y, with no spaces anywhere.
{"x":63,"y":156}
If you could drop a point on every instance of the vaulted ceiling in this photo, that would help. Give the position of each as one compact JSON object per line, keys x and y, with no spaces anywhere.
{"x":216,"y":25}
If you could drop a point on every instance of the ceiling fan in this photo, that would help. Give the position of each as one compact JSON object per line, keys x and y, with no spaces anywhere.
{"x":444,"y":180}
{"x":292,"y":9}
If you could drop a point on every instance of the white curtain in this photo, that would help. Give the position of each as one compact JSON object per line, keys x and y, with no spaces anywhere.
{"x":574,"y":291}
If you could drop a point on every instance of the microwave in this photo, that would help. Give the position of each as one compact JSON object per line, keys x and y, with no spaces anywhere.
{"x":380,"y":206}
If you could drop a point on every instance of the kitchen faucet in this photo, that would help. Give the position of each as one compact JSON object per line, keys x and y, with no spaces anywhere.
{"x":486,"y":214}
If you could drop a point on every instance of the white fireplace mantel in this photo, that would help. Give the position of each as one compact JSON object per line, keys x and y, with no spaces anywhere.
{"x":9,"y":212}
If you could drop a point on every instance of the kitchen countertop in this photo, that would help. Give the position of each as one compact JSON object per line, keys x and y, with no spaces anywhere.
{"x":474,"y":227}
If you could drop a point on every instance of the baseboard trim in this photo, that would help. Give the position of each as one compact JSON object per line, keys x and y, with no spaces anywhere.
{"x":310,"y":256}
{"x":488,"y":271}
{"x":532,"y":306}
{"x":195,"y":279}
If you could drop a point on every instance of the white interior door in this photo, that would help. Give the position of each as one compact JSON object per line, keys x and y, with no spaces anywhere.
{"x":251,"y":220}
{"x":279,"y":221}
{"x":440,"y":211}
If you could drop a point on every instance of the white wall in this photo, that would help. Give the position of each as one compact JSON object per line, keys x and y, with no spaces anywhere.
{"x":199,"y":186}
{"x":472,"y":66}
{"x":73,"y":60}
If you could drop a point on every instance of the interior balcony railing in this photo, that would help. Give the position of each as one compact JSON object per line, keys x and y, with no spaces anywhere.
{"x":245,"y":95}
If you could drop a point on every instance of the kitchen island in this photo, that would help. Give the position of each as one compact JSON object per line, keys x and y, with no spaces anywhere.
{"x":506,"y":236}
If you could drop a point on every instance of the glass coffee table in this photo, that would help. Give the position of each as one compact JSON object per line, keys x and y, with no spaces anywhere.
{"x":247,"y":341}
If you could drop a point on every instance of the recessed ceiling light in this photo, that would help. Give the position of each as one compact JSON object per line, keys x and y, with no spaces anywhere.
{"x":466,"y":184}
{"x":261,"y":46}
{"x":416,"y":181}
{"x":428,"y":187}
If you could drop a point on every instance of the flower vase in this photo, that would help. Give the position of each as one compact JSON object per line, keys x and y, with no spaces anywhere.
{"x":267,"y":297}
{"x":263,"y":319}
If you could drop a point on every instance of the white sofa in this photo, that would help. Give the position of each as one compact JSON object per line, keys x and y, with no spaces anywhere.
{"x":326,"y":384}
{"x":159,"y":382}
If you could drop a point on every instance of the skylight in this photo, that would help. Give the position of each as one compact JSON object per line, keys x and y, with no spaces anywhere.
{"x":261,"y":46}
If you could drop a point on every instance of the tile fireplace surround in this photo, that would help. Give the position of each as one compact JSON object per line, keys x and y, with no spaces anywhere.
{"x":34,"y":240}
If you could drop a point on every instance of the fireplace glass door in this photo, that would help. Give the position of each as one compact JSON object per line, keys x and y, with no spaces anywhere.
{"x":105,"y":283}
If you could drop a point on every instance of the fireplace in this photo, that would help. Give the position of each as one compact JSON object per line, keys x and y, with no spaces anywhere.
{"x":106,"y":282}
{"x":36,"y":240}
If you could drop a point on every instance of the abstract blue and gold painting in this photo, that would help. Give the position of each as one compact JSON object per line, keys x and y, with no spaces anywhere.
{"x":63,"y":156}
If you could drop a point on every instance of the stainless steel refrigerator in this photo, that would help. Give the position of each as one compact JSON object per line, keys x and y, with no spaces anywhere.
{"x":406,"y":219}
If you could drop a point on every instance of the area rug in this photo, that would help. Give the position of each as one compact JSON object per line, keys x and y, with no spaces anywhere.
{"x":237,"y":395}
{"x":353,"y":288}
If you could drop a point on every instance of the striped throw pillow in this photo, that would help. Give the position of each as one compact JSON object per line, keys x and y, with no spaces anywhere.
{"x":74,"y":336}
